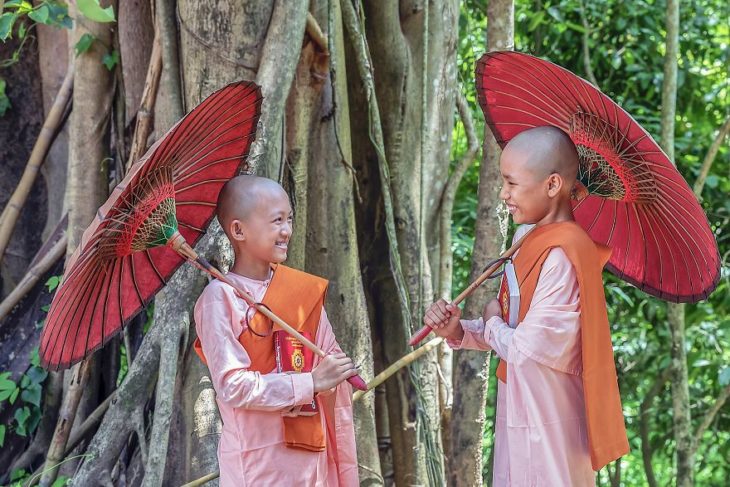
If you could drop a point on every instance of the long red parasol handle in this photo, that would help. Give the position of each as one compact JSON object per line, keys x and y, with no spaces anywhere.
{"x":425,"y":330}
{"x":180,"y":246}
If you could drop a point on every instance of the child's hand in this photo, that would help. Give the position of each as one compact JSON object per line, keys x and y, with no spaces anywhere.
{"x":332,"y":370}
{"x":493,"y":308}
{"x":444,"y":318}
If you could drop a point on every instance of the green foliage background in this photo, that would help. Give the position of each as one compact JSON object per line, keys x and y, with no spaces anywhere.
{"x":626,"y":44}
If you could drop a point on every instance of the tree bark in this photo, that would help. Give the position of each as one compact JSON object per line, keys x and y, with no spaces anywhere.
{"x":321,"y":142}
{"x":675,"y":312}
{"x":412,"y":124}
{"x":53,"y":59}
{"x":470,"y":368}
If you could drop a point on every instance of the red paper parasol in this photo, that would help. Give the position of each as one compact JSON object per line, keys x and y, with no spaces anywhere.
{"x":630,"y":197}
{"x":636,"y":201}
{"x":122,"y":262}
{"x":148,"y":226}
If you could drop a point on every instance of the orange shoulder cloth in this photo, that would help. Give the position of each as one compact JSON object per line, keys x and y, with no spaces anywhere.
{"x":604,"y":417}
{"x":297,"y":298}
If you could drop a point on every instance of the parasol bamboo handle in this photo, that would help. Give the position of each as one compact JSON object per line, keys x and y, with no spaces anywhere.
{"x":426,"y":330}
{"x":184,"y":249}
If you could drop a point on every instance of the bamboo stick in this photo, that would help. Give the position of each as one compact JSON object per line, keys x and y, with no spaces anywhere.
{"x":32,"y":276}
{"x":423,"y":332}
{"x":143,"y":126}
{"x":397,"y":365}
{"x":53,"y":120}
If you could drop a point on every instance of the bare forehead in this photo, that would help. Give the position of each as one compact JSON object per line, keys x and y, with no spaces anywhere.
{"x":244,"y":194}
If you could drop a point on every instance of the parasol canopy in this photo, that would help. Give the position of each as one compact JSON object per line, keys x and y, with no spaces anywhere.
{"x":631,"y":197}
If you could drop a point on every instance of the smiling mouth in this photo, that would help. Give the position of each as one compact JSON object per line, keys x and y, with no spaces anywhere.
{"x":282,"y":245}
{"x":512,"y":209}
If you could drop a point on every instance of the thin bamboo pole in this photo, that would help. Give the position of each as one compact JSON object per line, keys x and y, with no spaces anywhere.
{"x":31,"y":277}
{"x":143,"y":127}
{"x":53,"y":121}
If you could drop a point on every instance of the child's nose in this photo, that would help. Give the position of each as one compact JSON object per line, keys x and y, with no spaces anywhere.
{"x":286,"y":229}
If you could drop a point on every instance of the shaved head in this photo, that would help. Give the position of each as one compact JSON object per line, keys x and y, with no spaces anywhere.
{"x":241,"y":195}
{"x":545,"y":151}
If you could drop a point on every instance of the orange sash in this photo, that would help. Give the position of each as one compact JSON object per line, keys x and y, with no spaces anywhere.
{"x":297,"y":298}
{"x":604,"y":417}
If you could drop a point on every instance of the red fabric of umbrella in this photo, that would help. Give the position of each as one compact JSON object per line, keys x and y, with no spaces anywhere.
{"x":122,"y":260}
{"x":632,"y":198}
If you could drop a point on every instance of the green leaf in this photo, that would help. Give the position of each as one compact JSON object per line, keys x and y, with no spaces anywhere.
{"x":84,"y":43}
{"x":725,"y":376}
{"x":32,"y":395}
{"x":14,"y":395}
{"x":93,"y":11}
{"x":2,"y":435}
{"x":4,"y":100}
{"x":60,"y":481}
{"x":53,"y":281}
{"x":36,"y":374}
{"x":110,"y":60}
{"x":556,"y":14}
{"x":40,"y":15}
{"x":35,"y":418}
{"x":58,"y":14}
{"x":6,"y":25}
{"x":18,"y":474}
{"x":45,"y":308}
{"x":35,"y":359}
{"x":21,"y":417}
{"x":5,"y":382}
{"x":712,"y":181}
{"x":6,"y":393}
{"x":536,"y":20}
{"x":21,"y":6}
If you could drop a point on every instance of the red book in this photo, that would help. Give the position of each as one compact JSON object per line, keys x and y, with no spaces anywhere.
{"x":293,"y":356}
{"x":509,"y":295}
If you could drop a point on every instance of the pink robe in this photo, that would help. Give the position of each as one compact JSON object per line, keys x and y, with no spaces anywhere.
{"x":251,"y":451}
{"x":540,"y":431}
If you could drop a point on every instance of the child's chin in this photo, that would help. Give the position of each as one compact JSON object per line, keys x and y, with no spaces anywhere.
{"x":278,"y":257}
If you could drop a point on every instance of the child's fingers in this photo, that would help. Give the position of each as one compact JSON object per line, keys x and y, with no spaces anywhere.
{"x":434,"y":319}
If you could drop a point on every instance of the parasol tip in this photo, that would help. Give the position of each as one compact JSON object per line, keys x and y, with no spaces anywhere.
{"x":358,"y":383}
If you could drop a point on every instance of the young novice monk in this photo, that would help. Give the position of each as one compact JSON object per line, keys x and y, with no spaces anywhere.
{"x":270,"y":434}
{"x":559,"y":412}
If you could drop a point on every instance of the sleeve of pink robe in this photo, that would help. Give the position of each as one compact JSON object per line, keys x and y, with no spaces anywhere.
{"x":228,"y":361}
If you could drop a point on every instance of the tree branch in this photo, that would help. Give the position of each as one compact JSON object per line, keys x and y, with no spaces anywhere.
{"x":449,"y":194}
{"x":710,"y":157}
{"x":315,"y":32}
{"x":586,"y":51}
{"x":646,"y":450}
{"x":364,"y":67}
{"x":143,"y":127}
{"x":709,"y":417}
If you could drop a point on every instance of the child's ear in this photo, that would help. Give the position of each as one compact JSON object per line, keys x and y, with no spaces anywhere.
{"x":555,"y":184}
{"x":237,"y":230}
